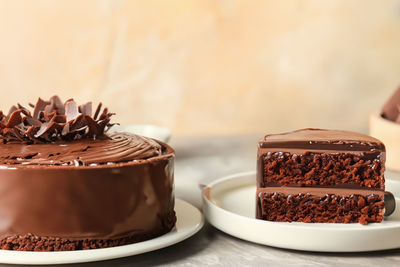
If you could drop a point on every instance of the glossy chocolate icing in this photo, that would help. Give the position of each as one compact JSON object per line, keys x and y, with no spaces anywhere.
{"x":322,"y":140}
{"x":107,"y":149}
{"x":117,"y":185}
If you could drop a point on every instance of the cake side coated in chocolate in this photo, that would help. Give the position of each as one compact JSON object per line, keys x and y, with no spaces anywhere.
{"x":317,"y":175}
{"x":87,"y":201}
{"x":122,"y":200}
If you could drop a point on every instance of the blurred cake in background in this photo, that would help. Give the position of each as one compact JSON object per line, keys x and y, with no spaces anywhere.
{"x":386,"y":127}
{"x":67,"y":184}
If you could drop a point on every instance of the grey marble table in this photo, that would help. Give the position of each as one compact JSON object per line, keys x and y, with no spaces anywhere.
{"x":203,"y":159}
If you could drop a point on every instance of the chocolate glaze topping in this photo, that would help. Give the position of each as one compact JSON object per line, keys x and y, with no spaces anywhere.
{"x":112,"y":148}
{"x":321,"y":139}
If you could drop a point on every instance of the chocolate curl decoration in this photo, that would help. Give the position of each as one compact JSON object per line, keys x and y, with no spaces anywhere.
{"x":52,"y":120}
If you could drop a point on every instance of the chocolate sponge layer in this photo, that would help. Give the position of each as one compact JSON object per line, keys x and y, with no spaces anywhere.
{"x":321,"y":169}
{"x":329,"y":208}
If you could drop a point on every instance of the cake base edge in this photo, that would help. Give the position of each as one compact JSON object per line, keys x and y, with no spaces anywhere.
{"x":31,"y":242}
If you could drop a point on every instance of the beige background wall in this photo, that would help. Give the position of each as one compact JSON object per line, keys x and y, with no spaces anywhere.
{"x":206,"y":66}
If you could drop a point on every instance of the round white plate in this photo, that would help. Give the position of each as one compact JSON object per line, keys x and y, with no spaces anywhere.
{"x":160,"y":133}
{"x":392,"y":182}
{"x":229,"y":205}
{"x":189,"y":222}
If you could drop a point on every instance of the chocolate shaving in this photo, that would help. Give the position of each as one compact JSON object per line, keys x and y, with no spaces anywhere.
{"x":52,"y":120}
{"x":86,"y":109}
{"x":11,"y":111}
{"x":40,"y":105}
{"x":71,"y":110}
{"x":14,"y":119}
{"x":97,"y":111}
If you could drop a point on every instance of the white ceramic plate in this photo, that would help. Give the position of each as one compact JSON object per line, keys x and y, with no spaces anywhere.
{"x":229,"y":205}
{"x":392,"y":182}
{"x":152,"y":131}
{"x":189,"y":222}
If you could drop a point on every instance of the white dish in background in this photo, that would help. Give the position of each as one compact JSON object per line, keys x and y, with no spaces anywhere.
{"x":229,"y":205}
{"x":189,"y":222}
{"x":152,"y":131}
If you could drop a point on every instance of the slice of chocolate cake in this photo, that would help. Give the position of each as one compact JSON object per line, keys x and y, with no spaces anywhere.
{"x":316,"y":175}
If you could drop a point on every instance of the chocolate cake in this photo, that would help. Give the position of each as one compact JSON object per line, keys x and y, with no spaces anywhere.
{"x":67,"y":184}
{"x":316,"y":175}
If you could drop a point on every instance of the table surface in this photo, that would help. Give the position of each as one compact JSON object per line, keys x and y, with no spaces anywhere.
{"x":204,"y":159}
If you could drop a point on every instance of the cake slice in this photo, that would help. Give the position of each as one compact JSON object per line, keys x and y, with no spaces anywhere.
{"x":316,"y":175}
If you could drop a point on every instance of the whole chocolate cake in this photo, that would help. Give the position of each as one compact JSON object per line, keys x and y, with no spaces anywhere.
{"x":66,"y":184}
{"x":316,"y":175}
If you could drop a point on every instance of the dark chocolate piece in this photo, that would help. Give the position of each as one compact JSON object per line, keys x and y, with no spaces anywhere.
{"x":390,"y":203}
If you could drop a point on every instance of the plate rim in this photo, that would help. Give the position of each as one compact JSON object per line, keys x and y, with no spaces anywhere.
{"x":83,"y":256}
{"x":208,"y":204}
